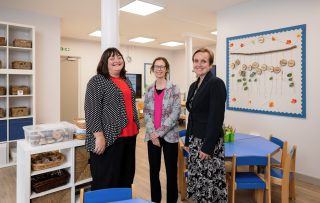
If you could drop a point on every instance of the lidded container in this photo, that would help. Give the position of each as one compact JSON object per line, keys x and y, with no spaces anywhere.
{"x":49,"y":133}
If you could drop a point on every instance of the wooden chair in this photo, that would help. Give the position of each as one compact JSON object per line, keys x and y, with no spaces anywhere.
{"x":182,"y":166}
{"x":285,"y":176}
{"x":283,"y":146}
{"x":140,"y":106}
{"x":107,"y":195}
{"x":250,"y":180}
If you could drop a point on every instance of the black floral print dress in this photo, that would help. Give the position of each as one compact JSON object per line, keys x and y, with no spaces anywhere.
{"x":206,"y":178}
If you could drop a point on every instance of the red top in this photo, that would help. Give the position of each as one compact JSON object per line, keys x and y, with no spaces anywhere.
{"x":131,"y":129}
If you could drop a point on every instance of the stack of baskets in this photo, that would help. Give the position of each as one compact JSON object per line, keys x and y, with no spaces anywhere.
{"x":82,"y":167}
{"x":80,"y":132}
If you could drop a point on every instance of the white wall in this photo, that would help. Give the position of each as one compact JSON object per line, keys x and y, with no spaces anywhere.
{"x":256,"y":16}
{"x":47,"y":60}
{"x":90,"y":53}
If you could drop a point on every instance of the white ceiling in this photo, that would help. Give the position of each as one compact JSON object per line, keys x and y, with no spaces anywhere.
{"x":180,"y":17}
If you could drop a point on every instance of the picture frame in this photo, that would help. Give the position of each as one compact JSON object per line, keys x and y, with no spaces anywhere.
{"x":266,"y":72}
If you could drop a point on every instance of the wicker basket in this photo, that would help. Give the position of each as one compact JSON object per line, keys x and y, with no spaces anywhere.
{"x":80,"y":122}
{"x":63,"y":196}
{"x":22,"y":43}
{"x":22,"y":90}
{"x":3,"y":90}
{"x":2,"y":41}
{"x":47,"y":181}
{"x":19,"y":111}
{"x":82,"y":167}
{"x":46,"y":160}
{"x":22,"y":65}
{"x":2,"y":113}
{"x":79,"y":136}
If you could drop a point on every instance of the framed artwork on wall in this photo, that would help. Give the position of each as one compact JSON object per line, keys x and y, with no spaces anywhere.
{"x":266,"y":72}
{"x":149,"y":77}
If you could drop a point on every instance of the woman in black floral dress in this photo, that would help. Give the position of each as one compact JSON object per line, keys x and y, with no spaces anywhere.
{"x":204,"y":139}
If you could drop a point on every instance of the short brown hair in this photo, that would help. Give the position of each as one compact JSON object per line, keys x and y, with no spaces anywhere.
{"x":102,"y":68}
{"x":205,"y":50}
{"x":165,"y":62}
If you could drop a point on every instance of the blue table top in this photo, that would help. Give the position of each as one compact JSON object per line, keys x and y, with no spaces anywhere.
{"x":136,"y":200}
{"x":249,"y":145}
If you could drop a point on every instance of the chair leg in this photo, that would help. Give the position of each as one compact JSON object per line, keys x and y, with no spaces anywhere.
{"x":183,"y":189}
{"x":81,"y":195}
{"x":292,"y":187}
{"x":268,"y":195}
{"x":285,"y":193}
{"x":259,"y":195}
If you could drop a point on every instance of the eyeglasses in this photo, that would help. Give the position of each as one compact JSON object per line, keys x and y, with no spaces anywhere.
{"x":159,"y":67}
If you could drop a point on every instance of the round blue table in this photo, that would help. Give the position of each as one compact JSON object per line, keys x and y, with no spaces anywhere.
{"x":249,"y":145}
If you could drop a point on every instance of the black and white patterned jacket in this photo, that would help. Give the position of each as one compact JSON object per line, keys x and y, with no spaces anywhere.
{"x":105,"y":110}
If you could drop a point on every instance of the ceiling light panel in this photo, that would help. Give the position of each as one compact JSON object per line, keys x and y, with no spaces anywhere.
{"x":141,"y":40}
{"x":214,"y":32}
{"x":96,"y":33}
{"x":141,"y":8}
{"x":171,"y":44}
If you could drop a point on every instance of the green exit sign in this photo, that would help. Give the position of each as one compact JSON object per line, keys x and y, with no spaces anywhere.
{"x":65,"y":49}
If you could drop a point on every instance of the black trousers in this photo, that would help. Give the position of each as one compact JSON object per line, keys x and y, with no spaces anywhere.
{"x":170,"y":152}
{"x":116,"y":166}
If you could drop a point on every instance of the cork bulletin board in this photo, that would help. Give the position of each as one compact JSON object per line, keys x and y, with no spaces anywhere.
{"x":266,"y":72}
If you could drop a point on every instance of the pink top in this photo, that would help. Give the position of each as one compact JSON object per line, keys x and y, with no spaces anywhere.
{"x":158,"y":99}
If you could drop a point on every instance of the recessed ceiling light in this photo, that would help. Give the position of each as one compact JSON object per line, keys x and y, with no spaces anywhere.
{"x":141,"y":39}
{"x":141,"y":8}
{"x":214,"y":32}
{"x":171,"y":44}
{"x":96,"y":33}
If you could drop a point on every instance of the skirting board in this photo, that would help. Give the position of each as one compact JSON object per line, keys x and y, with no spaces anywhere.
{"x":308,"y":179}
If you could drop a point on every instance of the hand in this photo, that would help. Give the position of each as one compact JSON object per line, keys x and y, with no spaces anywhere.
{"x":186,"y":149}
{"x":154,"y":135}
{"x":100,"y":144}
{"x":203,"y":155}
{"x":156,"y":142}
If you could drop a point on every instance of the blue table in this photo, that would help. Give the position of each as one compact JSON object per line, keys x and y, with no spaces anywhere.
{"x":249,"y":145}
{"x":136,"y":200}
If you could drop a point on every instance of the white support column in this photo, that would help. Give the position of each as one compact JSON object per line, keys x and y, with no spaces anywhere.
{"x":188,"y":59}
{"x":109,"y":24}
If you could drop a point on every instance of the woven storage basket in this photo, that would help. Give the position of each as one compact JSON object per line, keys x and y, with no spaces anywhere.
{"x":47,"y":181}
{"x":22,"y":43}
{"x":19,"y":111}
{"x":22,"y":89}
{"x":63,"y":196}
{"x":2,"y":113}
{"x":46,"y":160}
{"x":82,"y":167}
{"x":79,"y":136}
{"x":2,"y":41}
{"x":22,"y":65}
{"x":2,"y":90}
{"x":80,"y":122}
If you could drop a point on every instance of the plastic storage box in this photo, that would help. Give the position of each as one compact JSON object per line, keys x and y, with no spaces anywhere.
{"x":48,"y":133}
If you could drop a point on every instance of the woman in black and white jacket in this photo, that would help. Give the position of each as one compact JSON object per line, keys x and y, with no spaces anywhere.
{"x":111,"y":123}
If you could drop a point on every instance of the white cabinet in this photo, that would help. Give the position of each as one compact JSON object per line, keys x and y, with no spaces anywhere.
{"x":24,"y":172}
{"x":12,"y":76}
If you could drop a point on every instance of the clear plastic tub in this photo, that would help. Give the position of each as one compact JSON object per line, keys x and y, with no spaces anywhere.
{"x":48,"y":133}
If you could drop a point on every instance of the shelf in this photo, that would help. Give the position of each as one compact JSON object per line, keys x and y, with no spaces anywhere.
{"x":83,"y":181}
{"x":20,"y":117}
{"x":13,"y":96}
{"x":65,"y":165}
{"x":20,"y":48}
{"x":16,"y":71}
{"x":35,"y":195}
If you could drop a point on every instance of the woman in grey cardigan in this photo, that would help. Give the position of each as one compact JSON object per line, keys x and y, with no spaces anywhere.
{"x":162,"y":106}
